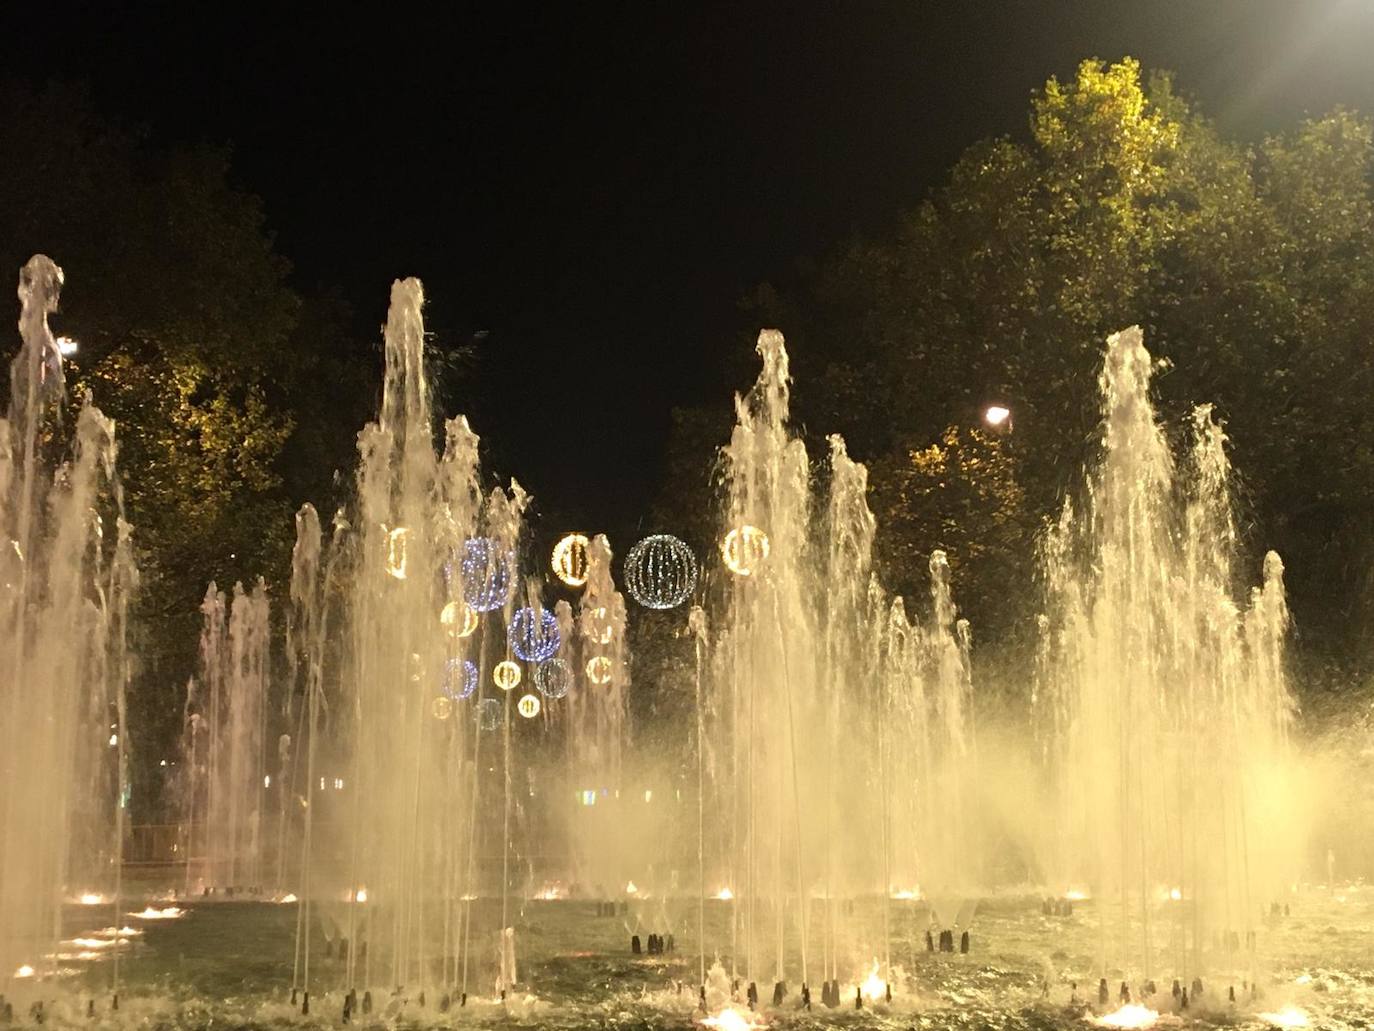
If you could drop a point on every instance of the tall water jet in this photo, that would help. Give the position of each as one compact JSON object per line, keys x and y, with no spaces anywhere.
{"x":66,"y":578}
{"x":226,"y":742}
{"x":1164,"y":707}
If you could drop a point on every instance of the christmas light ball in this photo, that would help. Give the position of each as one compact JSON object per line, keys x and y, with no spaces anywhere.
{"x":460,"y":678}
{"x":553,"y":678}
{"x":744,"y":549}
{"x":442,"y":708}
{"x":599,"y":669}
{"x":488,"y":573}
{"x":660,"y":572}
{"x":570,"y":559}
{"x":487,"y":714}
{"x":506,"y":675}
{"x":396,"y":542}
{"x":459,"y":619}
{"x":533,"y":635}
{"x":528,"y":706}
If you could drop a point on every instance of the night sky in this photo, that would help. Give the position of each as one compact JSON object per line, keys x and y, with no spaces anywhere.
{"x":597,"y":185}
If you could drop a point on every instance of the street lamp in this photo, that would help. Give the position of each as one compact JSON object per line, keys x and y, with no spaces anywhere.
{"x":998,"y":417}
{"x":66,"y":346}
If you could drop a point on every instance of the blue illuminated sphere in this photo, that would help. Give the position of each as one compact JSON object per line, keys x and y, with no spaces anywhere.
{"x":533,"y":636}
{"x":460,"y":678}
{"x":488,"y":714}
{"x":660,"y":572}
{"x":553,"y":678}
{"x":488,"y":574}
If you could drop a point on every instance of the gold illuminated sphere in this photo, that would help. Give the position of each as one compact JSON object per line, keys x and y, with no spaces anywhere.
{"x":396,"y":542}
{"x":570,"y":559}
{"x":507,"y":675}
{"x":442,"y":708}
{"x":528,"y":706}
{"x":459,"y":618}
{"x":744,"y":549}
{"x":599,"y":670}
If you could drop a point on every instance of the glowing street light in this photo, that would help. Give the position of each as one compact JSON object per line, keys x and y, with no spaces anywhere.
{"x":997,"y":416}
{"x":66,"y":346}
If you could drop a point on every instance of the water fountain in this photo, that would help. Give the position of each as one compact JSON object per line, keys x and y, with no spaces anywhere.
{"x":1163,"y":704}
{"x":66,"y":577}
{"x":226,"y":772}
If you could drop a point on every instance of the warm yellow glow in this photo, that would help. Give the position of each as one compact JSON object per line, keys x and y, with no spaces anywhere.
{"x":905,"y":894}
{"x":507,"y":675}
{"x":873,"y":988}
{"x":396,"y":542}
{"x":360,"y":895}
{"x":744,"y":549}
{"x":442,"y":708}
{"x":630,"y":888}
{"x":459,"y":618}
{"x":170,"y":913}
{"x":98,"y":943}
{"x":1075,"y":895}
{"x":550,"y":892}
{"x":996,"y":415}
{"x":92,"y":899}
{"x":1176,"y":894}
{"x":24,"y":971}
{"x":288,"y":897}
{"x":731,"y":1019}
{"x":1132,"y":1015}
{"x":528,"y":706}
{"x":570,"y":559}
{"x":1288,"y":1016}
{"x":725,"y":894}
{"x":599,"y":669}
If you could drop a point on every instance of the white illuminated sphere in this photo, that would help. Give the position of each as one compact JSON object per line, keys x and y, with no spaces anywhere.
{"x":506,"y":675}
{"x":996,"y":415}
{"x":570,"y":559}
{"x":744,"y":550}
{"x":660,"y":572}
{"x":553,"y":678}
{"x":599,"y":669}
{"x":528,"y":706}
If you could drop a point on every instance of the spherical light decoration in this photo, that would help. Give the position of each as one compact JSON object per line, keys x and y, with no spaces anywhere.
{"x":460,"y":678}
{"x":488,"y":714}
{"x":506,"y":675}
{"x":570,"y":559}
{"x":442,"y":708}
{"x":396,"y":542}
{"x":533,"y":635}
{"x":599,"y":669}
{"x":459,"y":618}
{"x":660,"y":572}
{"x":553,"y":678}
{"x":488,"y":574}
{"x":528,"y":706}
{"x":598,"y":625}
{"x":744,"y":549}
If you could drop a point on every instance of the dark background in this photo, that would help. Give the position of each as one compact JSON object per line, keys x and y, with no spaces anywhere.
{"x":588,"y":190}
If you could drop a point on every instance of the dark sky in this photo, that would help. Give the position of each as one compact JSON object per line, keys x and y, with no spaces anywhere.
{"x":597,"y":184}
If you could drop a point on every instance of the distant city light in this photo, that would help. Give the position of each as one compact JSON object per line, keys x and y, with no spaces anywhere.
{"x":996,"y":415}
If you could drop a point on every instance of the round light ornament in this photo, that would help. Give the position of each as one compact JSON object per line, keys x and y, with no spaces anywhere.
{"x":507,"y":675}
{"x":460,"y":678}
{"x":397,"y":541}
{"x":553,"y":678}
{"x":599,"y":669}
{"x":745,"y":548}
{"x":488,"y":573}
{"x":660,"y":572}
{"x":598,"y":625}
{"x":442,"y":708}
{"x":533,"y":635}
{"x":528,"y":706}
{"x":459,"y":619}
{"x":570,"y":559}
